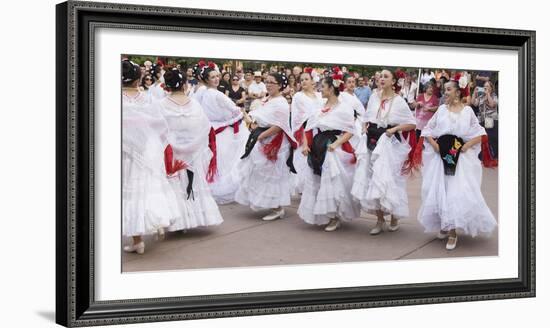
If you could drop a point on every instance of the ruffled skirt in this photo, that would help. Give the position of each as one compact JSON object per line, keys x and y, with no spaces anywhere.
{"x":264,"y":184}
{"x":148,"y":201}
{"x":329,"y":195}
{"x":378,"y":183}
{"x":300,"y":164}
{"x":229,"y":148}
{"x":200,"y":208}
{"x":454,"y":202}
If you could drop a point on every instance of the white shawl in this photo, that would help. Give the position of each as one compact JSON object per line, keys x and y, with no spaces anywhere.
{"x":463,"y":124}
{"x":340,"y":117}
{"x":144,"y":132}
{"x":221,"y":110}
{"x":274,"y":111}
{"x":189,"y":129}
{"x":394,"y":112}
{"x":303,"y":107}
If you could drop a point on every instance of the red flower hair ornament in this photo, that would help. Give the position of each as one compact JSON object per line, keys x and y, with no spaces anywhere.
{"x":338,"y":80}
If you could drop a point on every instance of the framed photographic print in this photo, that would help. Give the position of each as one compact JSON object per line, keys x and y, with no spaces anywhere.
{"x":215,"y":163}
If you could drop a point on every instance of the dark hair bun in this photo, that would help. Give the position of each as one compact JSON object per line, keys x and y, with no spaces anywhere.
{"x":130,"y":71}
{"x":174,"y":79}
{"x":281,"y":79}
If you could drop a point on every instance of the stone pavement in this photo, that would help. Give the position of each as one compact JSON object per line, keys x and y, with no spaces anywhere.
{"x":245,"y":240}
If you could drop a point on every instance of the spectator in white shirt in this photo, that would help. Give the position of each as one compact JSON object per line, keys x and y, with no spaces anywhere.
{"x":256,"y":90}
{"x":426,"y":76}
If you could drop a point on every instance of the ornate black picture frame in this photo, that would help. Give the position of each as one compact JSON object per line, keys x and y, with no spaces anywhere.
{"x":75,"y":301}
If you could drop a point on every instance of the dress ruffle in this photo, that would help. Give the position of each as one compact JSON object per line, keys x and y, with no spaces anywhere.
{"x":328,"y":195}
{"x":200,"y":209}
{"x":229,"y":147}
{"x":148,"y":202}
{"x":264,"y":184}
{"x":378,"y":183}
{"x":454,"y":202}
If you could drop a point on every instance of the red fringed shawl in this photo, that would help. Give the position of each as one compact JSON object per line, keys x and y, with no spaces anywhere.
{"x":213,"y":166}
{"x":271,"y":149}
{"x":410,"y":163}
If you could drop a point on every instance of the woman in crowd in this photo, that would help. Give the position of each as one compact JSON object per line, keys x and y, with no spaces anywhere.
{"x":230,"y":135}
{"x":236,"y":93}
{"x":256,"y":91}
{"x":148,"y":202}
{"x":291,"y":89}
{"x":426,"y":104}
{"x":451,"y":184}
{"x":441,"y":87}
{"x":189,"y":139}
{"x":380,"y":180}
{"x":264,"y":174}
{"x":304,"y":104}
{"x":409,"y":90}
{"x":245,"y":83}
{"x":487,"y":102}
{"x":326,"y":198}
{"x":225,"y":82}
{"x":146,"y":82}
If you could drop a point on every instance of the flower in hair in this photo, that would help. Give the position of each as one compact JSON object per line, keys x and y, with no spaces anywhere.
{"x":463,"y":82}
{"x":399,"y":74}
{"x":308,"y":70}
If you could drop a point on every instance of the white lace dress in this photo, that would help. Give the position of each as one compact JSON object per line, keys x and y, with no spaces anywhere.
{"x":379,"y":184}
{"x":189,"y":129}
{"x":454,"y":201}
{"x":264,"y":183}
{"x":223,"y":114}
{"x":148,"y":201}
{"x":329,"y":194}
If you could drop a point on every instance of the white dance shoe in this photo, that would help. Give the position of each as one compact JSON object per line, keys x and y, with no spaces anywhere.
{"x":451,"y":243}
{"x":333,"y":224}
{"x":160,"y":235}
{"x":442,"y":235}
{"x":276,"y":214}
{"x":380,"y":226}
{"x":137,"y":248}
{"x":393,"y":227}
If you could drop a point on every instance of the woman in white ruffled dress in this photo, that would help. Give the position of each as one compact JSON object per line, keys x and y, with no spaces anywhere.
{"x":189,"y":139}
{"x":305,"y":103}
{"x":228,"y":122}
{"x":156,"y":91}
{"x":451,"y":179}
{"x":349,"y":95}
{"x":148,"y":202}
{"x":380,"y":182}
{"x":265,"y":181}
{"x":326,"y":199}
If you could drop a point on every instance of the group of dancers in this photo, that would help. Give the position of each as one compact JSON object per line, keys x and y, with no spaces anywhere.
{"x":187,"y":149}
